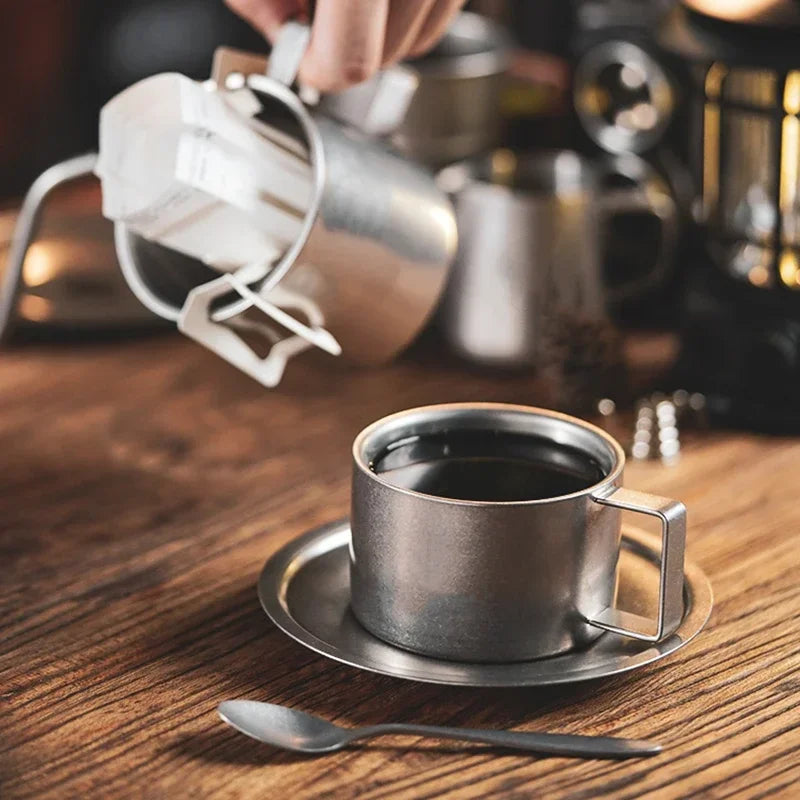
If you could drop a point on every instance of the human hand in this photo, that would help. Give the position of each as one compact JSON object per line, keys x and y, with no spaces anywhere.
{"x":352,"y":39}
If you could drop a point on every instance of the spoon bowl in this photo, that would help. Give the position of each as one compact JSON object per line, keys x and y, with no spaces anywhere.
{"x":283,"y":727}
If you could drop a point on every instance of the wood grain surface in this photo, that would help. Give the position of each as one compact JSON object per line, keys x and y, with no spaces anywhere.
{"x":144,"y":485}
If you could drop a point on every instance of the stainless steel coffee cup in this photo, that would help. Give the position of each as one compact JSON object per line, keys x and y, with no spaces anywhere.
{"x":500,"y":581}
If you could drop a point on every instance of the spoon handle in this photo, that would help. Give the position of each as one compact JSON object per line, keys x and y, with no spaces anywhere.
{"x":553,"y":744}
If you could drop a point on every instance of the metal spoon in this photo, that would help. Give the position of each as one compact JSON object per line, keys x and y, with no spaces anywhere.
{"x":294,"y":730}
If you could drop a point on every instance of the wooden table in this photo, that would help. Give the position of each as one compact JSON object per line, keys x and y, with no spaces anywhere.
{"x":146,"y":482}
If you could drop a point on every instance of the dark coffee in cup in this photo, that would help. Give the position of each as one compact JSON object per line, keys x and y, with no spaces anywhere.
{"x":494,"y":466}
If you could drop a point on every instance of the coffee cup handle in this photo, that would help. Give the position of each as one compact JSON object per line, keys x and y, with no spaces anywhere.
{"x":670,"y":591}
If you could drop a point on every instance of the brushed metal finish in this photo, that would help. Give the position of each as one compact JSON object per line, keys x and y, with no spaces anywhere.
{"x":377,"y":227}
{"x":300,"y":732}
{"x":498,"y":581}
{"x":305,"y":590}
{"x":378,"y":254}
{"x":529,"y":269}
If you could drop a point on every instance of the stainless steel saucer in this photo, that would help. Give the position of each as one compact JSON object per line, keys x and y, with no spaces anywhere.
{"x":305,"y":590}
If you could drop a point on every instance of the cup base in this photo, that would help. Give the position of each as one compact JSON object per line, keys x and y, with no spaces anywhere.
{"x":305,"y":590}
{"x":499,"y":656}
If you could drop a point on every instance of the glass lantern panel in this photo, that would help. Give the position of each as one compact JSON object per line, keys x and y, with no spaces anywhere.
{"x":751,"y":87}
{"x":748,"y":175}
{"x":790,"y":181}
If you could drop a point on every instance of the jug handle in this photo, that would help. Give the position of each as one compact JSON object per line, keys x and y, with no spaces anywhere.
{"x":670,"y":591}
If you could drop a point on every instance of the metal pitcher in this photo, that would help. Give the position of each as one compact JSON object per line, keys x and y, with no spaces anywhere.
{"x":363,"y":276}
{"x":528,"y":278}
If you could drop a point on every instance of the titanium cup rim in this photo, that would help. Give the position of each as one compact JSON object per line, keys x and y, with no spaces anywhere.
{"x":395,"y":427}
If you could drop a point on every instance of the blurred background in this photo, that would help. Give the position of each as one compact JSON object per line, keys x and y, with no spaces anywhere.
{"x":68,"y":57}
{"x":693,"y":102}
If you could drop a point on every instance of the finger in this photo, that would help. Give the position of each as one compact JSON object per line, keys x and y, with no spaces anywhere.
{"x":346,"y":43}
{"x":435,"y":25}
{"x":266,"y":16}
{"x":403,"y":26}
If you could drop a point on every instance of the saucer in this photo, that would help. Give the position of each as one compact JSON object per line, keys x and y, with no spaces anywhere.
{"x":305,"y":590}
